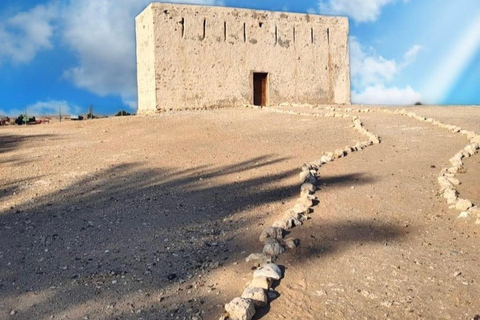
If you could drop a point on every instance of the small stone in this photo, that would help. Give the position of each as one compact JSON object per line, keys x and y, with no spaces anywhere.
{"x":308,"y":202}
{"x":291,"y":243}
{"x":444,"y":182}
{"x":450,"y":195}
{"x":463,"y":215}
{"x":310,"y":167}
{"x":273,"y":247}
{"x":348,"y":149}
{"x":240,"y":309}
{"x":470,"y":149}
{"x":308,"y":188}
{"x":339,"y":153}
{"x":321,"y":293}
{"x":269,"y":270}
{"x":463,"y":204}
{"x":327,"y":157}
{"x":292,"y":215}
{"x":307,"y":196}
{"x":257,"y":295}
{"x":300,"y":208}
{"x":307,"y":177}
{"x":271,"y":232}
{"x":284,"y":224}
{"x":258,"y":259}
{"x":474,"y":211}
{"x":260,"y":282}
{"x":13,"y":312}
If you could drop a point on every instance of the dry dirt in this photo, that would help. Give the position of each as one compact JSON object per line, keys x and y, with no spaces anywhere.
{"x":152,"y":217}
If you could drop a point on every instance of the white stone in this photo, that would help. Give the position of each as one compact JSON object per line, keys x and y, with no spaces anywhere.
{"x":463,"y":204}
{"x":291,"y":243}
{"x":339,"y":153}
{"x":269,"y":270}
{"x":308,"y":188}
{"x":271,"y":232}
{"x":307,"y":177}
{"x":284,"y":224}
{"x":453,"y":181}
{"x":300,"y":208}
{"x":305,"y":201}
{"x":258,"y":259}
{"x":463,"y":215}
{"x":450,"y":195}
{"x":474,"y":211}
{"x":260,"y":282}
{"x":272,"y":247}
{"x":257,"y":295}
{"x":240,"y":309}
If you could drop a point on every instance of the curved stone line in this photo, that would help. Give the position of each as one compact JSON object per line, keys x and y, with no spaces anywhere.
{"x":446,"y":178}
{"x":257,"y":293}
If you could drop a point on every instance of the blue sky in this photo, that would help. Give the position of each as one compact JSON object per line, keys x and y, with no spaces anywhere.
{"x":70,"y":54}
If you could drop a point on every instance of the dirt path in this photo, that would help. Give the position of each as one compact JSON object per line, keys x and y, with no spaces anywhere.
{"x":131,"y":217}
{"x":152,"y":218}
{"x":388,"y":247}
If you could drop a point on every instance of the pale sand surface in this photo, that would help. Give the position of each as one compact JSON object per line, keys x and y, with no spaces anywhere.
{"x":152,"y":217}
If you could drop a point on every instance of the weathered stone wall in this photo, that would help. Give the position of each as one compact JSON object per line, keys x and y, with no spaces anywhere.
{"x":206,"y":56}
{"x":147,"y":100}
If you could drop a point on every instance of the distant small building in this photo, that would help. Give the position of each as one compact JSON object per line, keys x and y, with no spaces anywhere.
{"x":198,"y":56}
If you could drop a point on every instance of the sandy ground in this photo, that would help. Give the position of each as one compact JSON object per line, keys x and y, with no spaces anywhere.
{"x":152,"y":217}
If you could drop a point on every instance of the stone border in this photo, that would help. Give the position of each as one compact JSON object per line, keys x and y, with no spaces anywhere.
{"x":446,"y":178}
{"x":259,"y":291}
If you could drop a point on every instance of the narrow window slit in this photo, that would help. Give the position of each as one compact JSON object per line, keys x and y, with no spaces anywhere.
{"x":276,"y":35}
{"x":328,"y":35}
{"x":294,"y":35}
{"x":183,"y":27}
{"x":204,"y":28}
{"x":311,"y":34}
{"x":225,"y":31}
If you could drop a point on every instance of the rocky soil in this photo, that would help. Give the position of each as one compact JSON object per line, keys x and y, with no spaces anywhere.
{"x":153,"y":217}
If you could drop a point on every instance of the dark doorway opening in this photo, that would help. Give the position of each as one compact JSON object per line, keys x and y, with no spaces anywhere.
{"x":260,"y":88}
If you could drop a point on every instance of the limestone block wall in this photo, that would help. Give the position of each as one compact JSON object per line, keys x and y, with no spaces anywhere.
{"x":146,"y":61}
{"x":206,"y":57}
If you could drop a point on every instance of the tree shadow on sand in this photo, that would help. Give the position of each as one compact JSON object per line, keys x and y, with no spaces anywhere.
{"x":126,"y":232}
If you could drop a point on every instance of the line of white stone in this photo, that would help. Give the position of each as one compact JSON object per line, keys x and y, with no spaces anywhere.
{"x":446,"y":178}
{"x":258,"y":291}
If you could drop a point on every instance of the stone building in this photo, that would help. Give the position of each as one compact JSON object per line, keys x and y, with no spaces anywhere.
{"x":197,"y":56}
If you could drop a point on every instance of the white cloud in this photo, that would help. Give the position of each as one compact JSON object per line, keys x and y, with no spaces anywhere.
{"x":411,"y":55}
{"x":102,"y":35}
{"x":28,"y":32}
{"x":358,"y":10}
{"x":42,"y":108}
{"x":371,"y":73}
{"x":369,"y":68}
{"x":387,"y":96}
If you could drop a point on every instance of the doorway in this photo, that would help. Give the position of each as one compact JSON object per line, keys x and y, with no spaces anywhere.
{"x":260,"y":88}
